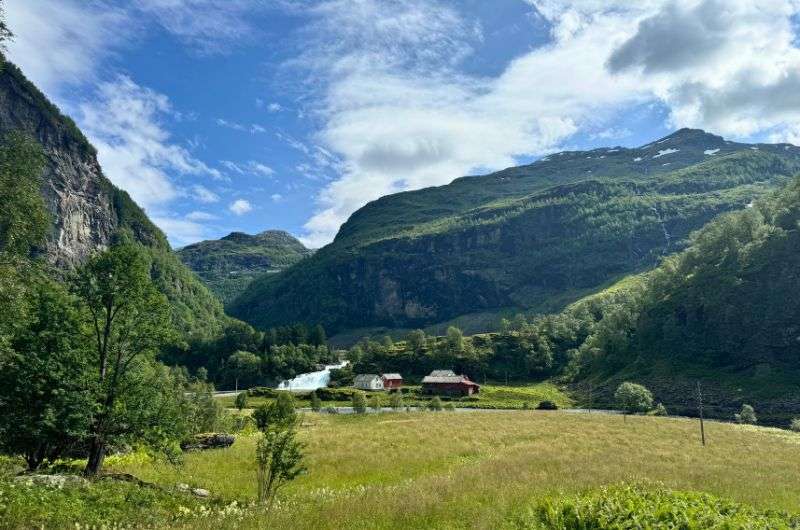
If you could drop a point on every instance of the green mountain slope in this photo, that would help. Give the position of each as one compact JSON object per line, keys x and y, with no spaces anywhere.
{"x":229,"y":264}
{"x":534,"y":238}
{"x":723,"y":312}
{"x":88,"y":212}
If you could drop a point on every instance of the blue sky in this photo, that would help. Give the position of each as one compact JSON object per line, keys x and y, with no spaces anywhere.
{"x":259,"y":114}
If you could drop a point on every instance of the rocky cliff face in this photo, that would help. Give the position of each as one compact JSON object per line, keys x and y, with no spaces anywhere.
{"x":77,"y":194}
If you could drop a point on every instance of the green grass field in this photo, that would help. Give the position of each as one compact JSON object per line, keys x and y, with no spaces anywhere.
{"x":479,"y":469}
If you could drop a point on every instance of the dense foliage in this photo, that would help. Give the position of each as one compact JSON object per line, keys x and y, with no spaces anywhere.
{"x":536,"y":237}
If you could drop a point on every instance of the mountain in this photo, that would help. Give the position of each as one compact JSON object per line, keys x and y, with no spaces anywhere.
{"x":229,"y":264}
{"x":88,"y":212}
{"x":532,"y":238}
{"x":723,"y":312}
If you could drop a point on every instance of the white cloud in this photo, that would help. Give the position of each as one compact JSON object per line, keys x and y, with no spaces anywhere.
{"x":203,"y":194}
{"x":248,"y":168}
{"x":240,"y":207}
{"x":274,"y":107}
{"x":60,"y":42}
{"x":181,"y":231}
{"x":252,"y":128}
{"x":276,"y":197}
{"x":200,"y":216}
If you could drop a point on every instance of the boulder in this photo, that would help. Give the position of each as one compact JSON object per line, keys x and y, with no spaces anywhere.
{"x":52,"y":481}
{"x":200,"y":492}
{"x":208,"y":441}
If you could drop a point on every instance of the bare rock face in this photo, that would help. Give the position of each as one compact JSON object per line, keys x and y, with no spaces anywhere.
{"x":77,"y":194}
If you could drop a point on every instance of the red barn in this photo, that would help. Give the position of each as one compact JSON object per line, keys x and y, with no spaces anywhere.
{"x":392,"y":381}
{"x":448,"y":383}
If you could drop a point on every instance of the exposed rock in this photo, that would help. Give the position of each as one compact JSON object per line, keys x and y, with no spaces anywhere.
{"x":208,"y":441}
{"x":200,"y":492}
{"x":182,"y":487}
{"x":52,"y":481}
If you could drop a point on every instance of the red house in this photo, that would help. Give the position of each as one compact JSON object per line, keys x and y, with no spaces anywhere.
{"x":392,"y":381}
{"x":446,"y":382}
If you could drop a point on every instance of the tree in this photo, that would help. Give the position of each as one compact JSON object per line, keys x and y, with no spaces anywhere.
{"x":416,"y":340}
{"x":435,"y":404}
{"x":130,"y":323}
{"x":747,"y":415}
{"x":317,"y":336}
{"x":44,"y":377}
{"x":359,"y":402}
{"x":316,"y":402}
{"x":23,"y":217}
{"x":633,"y":398}
{"x":396,"y":400}
{"x":241,"y":400}
{"x":374,"y":403}
{"x":5,"y":33}
{"x":279,"y":458}
{"x":387,"y":341}
{"x":659,"y":410}
{"x":243,"y":365}
{"x":455,"y":339}
{"x":795,"y":425}
{"x":280,"y":413}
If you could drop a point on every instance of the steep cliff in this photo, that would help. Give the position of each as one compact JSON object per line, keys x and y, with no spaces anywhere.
{"x":228,"y":265}
{"x":532,"y":238}
{"x":87,"y":211}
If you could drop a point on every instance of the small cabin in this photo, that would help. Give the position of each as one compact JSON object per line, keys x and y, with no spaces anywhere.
{"x":447,"y":382}
{"x":368,"y":382}
{"x":392,"y":381}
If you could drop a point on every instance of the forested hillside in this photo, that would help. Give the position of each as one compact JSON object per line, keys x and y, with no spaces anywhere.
{"x":228,"y":265}
{"x":531,"y":238}
{"x":88,"y":213}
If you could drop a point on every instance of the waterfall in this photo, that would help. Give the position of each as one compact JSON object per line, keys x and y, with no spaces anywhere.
{"x":311,"y":380}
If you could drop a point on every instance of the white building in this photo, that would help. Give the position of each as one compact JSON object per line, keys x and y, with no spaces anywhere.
{"x":368,"y":382}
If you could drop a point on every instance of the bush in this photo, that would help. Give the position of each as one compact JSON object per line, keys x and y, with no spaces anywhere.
{"x":633,"y":398}
{"x":316,"y":402}
{"x":374,"y":403}
{"x":546,"y":405}
{"x":359,"y":403}
{"x":795,"y":425}
{"x":659,"y":410}
{"x":279,"y":413}
{"x":435,"y":404}
{"x":746,"y":415}
{"x":241,"y":400}
{"x":526,"y":406}
{"x":623,"y":507}
{"x":335,"y":394}
{"x":396,"y":400}
{"x":263,"y":391}
{"x":450,"y":407}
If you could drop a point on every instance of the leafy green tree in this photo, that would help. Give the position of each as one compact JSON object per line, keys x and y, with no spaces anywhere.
{"x":633,"y":398}
{"x":243,"y":365}
{"x":316,"y":402}
{"x":374,"y":403}
{"x":130,"y":323}
{"x":416,"y":340}
{"x":455,"y":339}
{"x":435,"y":404}
{"x":396,"y":400}
{"x":281,"y":413}
{"x":659,"y":410}
{"x":279,"y":460}
{"x":795,"y":425}
{"x":241,"y":400}
{"x":45,"y":402}
{"x":359,"y":402}
{"x":317,"y":336}
{"x":387,"y":341}
{"x":23,"y":217}
{"x":203,"y":411}
{"x":747,"y":415}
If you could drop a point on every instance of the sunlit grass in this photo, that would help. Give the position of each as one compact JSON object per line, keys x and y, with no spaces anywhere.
{"x":479,"y":469}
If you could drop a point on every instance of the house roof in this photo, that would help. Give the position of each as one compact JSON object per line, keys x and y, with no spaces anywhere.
{"x":392,"y":376}
{"x":447,"y":376}
{"x":366,"y":378}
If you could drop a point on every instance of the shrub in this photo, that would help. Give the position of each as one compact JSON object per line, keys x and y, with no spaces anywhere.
{"x":659,"y":410}
{"x":335,"y":394}
{"x":435,"y":404}
{"x":396,"y":400}
{"x":450,"y":407}
{"x":526,"y":406}
{"x":633,"y":398}
{"x":359,"y":403}
{"x":279,"y":413}
{"x":316,"y":402}
{"x":746,"y":415}
{"x":241,"y":400}
{"x":263,"y":391}
{"x":546,"y":405}
{"x":795,"y":425}
{"x":623,"y":507}
{"x":374,"y":403}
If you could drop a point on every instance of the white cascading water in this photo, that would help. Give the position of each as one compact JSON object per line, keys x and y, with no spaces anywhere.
{"x":311,"y":380}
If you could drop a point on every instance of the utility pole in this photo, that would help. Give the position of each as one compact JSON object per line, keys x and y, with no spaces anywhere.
{"x":700,"y":407}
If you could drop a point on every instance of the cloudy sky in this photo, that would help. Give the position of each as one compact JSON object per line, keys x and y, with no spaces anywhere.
{"x":255,"y":114}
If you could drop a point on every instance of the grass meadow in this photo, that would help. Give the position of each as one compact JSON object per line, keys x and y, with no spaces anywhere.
{"x":485,"y":469}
